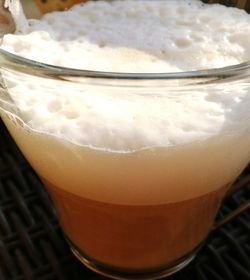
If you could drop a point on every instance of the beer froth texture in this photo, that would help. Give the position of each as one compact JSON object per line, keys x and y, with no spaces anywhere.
{"x":117,"y":129}
{"x":136,"y":36}
{"x":132,"y":36}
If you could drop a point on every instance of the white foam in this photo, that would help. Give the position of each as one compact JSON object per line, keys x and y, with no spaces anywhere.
{"x":135,"y":36}
{"x":132,"y":36}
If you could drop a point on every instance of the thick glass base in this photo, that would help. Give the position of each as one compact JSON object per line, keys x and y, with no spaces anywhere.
{"x":112,"y":273}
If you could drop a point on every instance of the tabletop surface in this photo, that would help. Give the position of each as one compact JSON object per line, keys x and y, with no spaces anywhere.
{"x":32,"y":246}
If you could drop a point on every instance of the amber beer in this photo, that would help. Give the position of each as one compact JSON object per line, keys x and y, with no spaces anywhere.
{"x":135,"y":237}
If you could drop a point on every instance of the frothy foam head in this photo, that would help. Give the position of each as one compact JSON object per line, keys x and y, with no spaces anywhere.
{"x":132,"y":36}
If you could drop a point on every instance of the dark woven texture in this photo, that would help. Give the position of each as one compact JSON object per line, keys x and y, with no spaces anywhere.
{"x":32,"y":246}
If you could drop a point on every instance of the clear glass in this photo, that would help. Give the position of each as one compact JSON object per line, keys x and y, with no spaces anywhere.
{"x":138,"y":210}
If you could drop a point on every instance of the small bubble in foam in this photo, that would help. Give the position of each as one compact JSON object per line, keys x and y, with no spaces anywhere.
{"x":181,"y":10}
{"x":214,"y":114}
{"x":102,"y":43}
{"x":163,"y":13}
{"x":183,"y":42}
{"x":204,"y":19}
{"x":64,"y":130}
{"x":31,"y":101}
{"x":93,"y":18}
{"x":184,"y":22}
{"x":51,"y":21}
{"x":82,"y":32}
{"x":211,"y":98}
{"x":31,"y":86}
{"x":187,"y":128}
{"x":54,"y":106}
{"x":71,"y":114}
{"x":197,"y":38}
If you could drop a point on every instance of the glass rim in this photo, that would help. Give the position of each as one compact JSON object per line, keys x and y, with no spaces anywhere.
{"x":33,"y":67}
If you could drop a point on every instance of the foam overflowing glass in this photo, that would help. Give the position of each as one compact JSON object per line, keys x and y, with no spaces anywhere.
{"x":134,"y":209}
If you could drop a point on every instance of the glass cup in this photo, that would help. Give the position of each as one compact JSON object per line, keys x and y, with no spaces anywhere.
{"x":136,"y":211}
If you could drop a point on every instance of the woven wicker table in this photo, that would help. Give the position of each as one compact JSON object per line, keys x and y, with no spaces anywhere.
{"x":32,"y":245}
